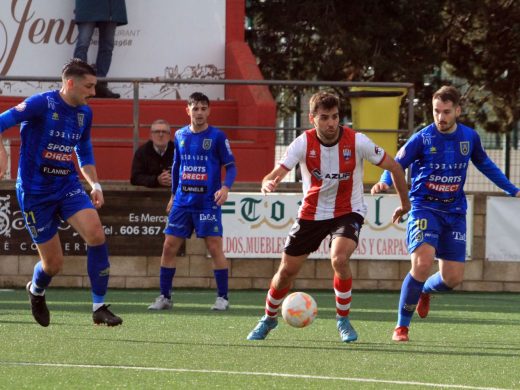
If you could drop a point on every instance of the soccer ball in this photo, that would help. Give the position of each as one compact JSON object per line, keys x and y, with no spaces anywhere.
{"x":299,"y":309}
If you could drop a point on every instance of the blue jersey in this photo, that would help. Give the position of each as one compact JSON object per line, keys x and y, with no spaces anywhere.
{"x":197,"y":164}
{"x":439,"y":165}
{"x":51,"y":130}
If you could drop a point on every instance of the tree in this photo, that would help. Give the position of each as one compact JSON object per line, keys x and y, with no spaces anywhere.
{"x":483,"y":48}
{"x":396,"y":40}
{"x":370,"y":40}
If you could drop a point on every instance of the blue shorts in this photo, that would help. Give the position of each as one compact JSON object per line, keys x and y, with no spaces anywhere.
{"x":43,"y":213}
{"x":182,"y":222}
{"x":445,"y":232}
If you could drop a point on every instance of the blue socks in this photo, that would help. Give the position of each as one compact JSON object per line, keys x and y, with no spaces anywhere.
{"x":98,"y":269}
{"x":40,"y":280}
{"x":435,"y":284}
{"x":221,"y":278}
{"x":410,"y":293}
{"x":165,"y":280}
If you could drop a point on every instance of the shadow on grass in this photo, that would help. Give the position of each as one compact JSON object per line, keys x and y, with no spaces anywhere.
{"x":367,"y":306}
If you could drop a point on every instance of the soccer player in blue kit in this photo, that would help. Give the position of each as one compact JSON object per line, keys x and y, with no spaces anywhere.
{"x":55,"y":124}
{"x":197,"y":196}
{"x":439,"y":156}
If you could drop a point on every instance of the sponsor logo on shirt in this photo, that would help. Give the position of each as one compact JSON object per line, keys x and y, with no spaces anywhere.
{"x":81,"y":119}
{"x":228,"y":147}
{"x":55,"y":116}
{"x":58,"y":152}
{"x":441,"y":183}
{"x":439,"y":187}
{"x":333,"y":176}
{"x":459,"y":236}
{"x":197,"y":189}
{"x":378,"y":150}
{"x":54,"y":171}
{"x":433,"y":150}
{"x":51,"y":103}
{"x":194,"y":176}
{"x":432,"y":198}
{"x":427,"y":138}
{"x":47,"y":154}
{"x":208,"y":217}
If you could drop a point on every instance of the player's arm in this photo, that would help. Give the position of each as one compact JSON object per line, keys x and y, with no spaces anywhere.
{"x":22,"y":112}
{"x":222,"y":194}
{"x":228,"y":160}
{"x":485,"y":165}
{"x":405,"y":156}
{"x":398,"y":178}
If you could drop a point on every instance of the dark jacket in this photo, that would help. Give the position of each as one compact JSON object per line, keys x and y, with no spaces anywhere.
{"x":148,"y":164}
{"x":101,"y":11}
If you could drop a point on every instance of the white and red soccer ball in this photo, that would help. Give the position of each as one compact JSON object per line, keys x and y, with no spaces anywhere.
{"x":299,"y":309}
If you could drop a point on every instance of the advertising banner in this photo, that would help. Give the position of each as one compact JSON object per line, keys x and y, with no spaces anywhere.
{"x":255,"y":226}
{"x":502,"y":230}
{"x":163,"y":38}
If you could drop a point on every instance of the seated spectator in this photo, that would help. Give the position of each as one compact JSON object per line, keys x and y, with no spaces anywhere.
{"x":152,"y":163}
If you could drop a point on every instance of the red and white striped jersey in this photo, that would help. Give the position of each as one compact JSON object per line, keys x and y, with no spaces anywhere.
{"x":332,"y":174}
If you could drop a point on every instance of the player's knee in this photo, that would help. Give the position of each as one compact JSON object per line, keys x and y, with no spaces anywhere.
{"x":452,"y":280}
{"x":339,"y":262}
{"x":53,"y":265}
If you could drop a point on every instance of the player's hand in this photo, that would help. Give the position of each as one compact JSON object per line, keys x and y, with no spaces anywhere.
{"x":379,"y":187}
{"x":169,"y":205}
{"x":400,"y":212}
{"x":221,"y":196}
{"x":165,"y":179}
{"x":97,"y":198}
{"x":270,"y":185}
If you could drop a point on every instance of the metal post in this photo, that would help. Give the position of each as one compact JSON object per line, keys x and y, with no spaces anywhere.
{"x":507,"y":154}
{"x":135,"y":143}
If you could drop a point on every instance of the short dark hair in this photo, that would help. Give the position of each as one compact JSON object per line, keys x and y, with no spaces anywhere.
{"x":324,"y":100}
{"x":448,"y":93}
{"x":197,"y":97}
{"x":76,"y":68}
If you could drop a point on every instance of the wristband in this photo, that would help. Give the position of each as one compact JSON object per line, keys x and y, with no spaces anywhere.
{"x":96,"y":187}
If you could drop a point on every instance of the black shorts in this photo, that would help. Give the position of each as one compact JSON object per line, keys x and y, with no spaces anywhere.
{"x":306,"y":236}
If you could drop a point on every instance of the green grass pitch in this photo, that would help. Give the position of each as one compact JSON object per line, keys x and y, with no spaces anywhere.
{"x":469,"y":341}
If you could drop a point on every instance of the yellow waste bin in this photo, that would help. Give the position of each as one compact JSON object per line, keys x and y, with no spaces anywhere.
{"x":377,"y":109}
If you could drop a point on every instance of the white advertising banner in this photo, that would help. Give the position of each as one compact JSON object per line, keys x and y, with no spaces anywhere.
{"x":502,"y":229}
{"x":255,"y":226}
{"x":163,"y":38}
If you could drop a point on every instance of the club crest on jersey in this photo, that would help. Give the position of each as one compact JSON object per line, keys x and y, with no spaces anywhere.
{"x":347,"y":153}
{"x":206,"y":144}
{"x":81,"y":119}
{"x":464,"y":148}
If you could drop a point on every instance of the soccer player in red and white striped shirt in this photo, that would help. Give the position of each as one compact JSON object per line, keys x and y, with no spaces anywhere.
{"x":331,"y":160}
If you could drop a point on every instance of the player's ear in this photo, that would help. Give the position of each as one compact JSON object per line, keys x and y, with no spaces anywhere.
{"x":311,"y":119}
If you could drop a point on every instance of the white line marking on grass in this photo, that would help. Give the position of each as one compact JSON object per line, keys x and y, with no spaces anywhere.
{"x":271,"y":374}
